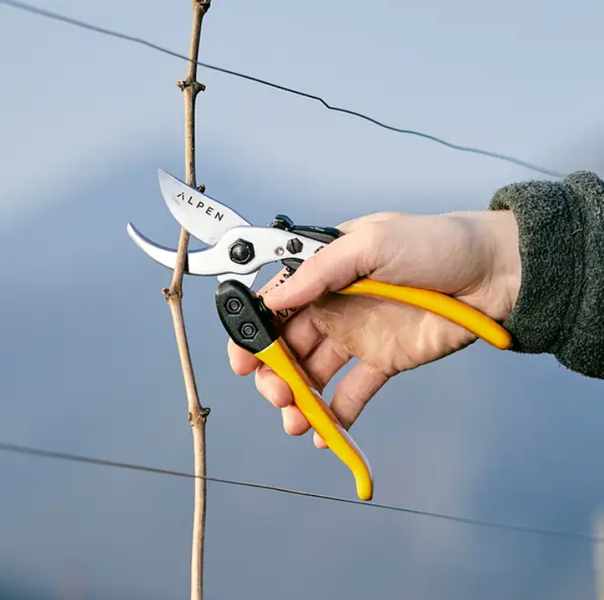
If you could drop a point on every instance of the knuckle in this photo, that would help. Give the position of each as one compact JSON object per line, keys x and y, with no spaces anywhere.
{"x":317,"y":269}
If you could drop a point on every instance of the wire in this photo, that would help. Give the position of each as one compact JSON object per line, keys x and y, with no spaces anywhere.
{"x":109,"y":32}
{"x":543,"y":531}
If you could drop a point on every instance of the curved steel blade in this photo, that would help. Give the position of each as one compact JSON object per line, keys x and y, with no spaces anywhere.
{"x":195,"y":261}
{"x":205,"y":218}
{"x":164,"y":256}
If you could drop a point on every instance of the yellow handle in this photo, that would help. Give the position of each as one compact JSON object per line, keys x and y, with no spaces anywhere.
{"x":278,"y":357}
{"x":440,"y":304}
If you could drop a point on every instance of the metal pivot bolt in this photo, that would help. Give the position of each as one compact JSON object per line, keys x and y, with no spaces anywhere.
{"x":241,"y":252}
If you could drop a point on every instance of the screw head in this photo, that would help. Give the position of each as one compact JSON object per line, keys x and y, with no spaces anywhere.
{"x":294,"y":246}
{"x":234,"y":306}
{"x":241,"y":252}
{"x":248,"y":331}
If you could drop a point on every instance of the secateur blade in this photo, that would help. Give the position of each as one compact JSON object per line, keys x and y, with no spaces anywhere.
{"x":199,"y":262}
{"x":203,"y":217}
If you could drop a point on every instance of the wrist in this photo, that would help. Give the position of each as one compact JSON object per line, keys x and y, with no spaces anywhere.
{"x":505,"y":274}
{"x":494,"y":246}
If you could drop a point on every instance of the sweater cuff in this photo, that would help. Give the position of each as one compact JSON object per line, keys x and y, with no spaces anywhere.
{"x":560,"y":304}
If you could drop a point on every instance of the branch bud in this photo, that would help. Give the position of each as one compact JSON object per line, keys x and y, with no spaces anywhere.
{"x":197,"y":87}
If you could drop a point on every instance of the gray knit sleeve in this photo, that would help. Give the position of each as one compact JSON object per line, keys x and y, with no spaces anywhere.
{"x":560,"y":306}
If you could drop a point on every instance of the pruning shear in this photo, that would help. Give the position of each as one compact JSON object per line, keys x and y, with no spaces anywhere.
{"x":236,"y":253}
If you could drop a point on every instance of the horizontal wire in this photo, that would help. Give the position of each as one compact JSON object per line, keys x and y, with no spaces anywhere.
{"x":109,"y":32}
{"x":543,"y":531}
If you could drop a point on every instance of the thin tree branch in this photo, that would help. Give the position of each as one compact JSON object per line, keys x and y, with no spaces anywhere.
{"x":197,"y":414}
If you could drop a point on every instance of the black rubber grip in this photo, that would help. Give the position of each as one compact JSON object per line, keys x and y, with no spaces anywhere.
{"x":320,"y":234}
{"x":245,"y":317}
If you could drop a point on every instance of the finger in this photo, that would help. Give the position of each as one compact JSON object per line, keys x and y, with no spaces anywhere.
{"x":334,"y":267}
{"x":324,"y":362}
{"x":242,"y":361}
{"x":301,"y":334}
{"x":273,"y":388}
{"x":352,"y":395}
{"x":294,"y":422}
{"x":361,"y":222}
{"x":320,"y":367}
{"x":286,"y":313}
{"x":279,"y":279}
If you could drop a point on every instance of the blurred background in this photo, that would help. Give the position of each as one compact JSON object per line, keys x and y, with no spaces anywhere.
{"x":88,"y":362}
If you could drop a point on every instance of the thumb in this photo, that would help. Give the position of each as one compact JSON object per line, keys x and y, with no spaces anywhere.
{"x":337,"y":265}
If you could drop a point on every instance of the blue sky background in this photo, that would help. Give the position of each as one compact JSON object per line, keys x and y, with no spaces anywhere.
{"x":87,"y":358}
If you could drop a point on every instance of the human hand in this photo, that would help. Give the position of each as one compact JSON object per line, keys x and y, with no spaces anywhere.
{"x":472,"y":256}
